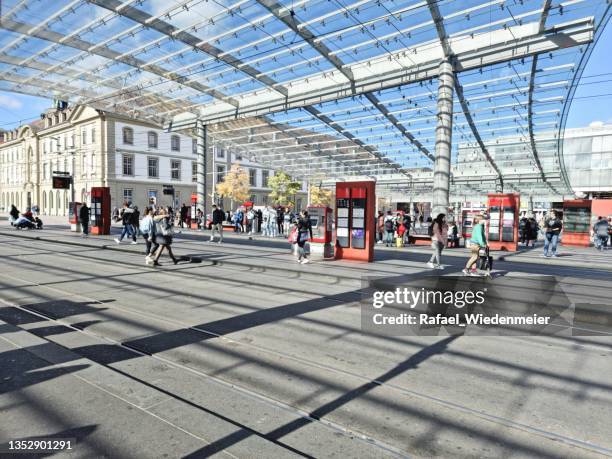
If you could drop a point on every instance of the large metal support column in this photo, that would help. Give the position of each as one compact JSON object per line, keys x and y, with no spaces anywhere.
{"x":444,"y":132}
{"x":201,"y":166}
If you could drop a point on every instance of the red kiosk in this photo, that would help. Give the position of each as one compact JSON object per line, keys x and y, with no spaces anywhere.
{"x":577,"y":222}
{"x":355,"y":224}
{"x":503,"y":210}
{"x":100,"y":214}
{"x":321,"y":222}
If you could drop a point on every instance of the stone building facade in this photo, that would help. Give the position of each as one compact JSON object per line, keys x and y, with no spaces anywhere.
{"x":135,"y":159}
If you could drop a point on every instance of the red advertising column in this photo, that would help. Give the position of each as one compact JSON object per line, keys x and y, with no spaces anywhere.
{"x":194,"y":211}
{"x":577,"y":223}
{"x":73,"y":216}
{"x":503,"y":210}
{"x":355,"y":225}
{"x":100,"y":217}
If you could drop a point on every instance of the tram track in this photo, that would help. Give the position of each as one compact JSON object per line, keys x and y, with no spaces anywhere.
{"x":308,"y":363}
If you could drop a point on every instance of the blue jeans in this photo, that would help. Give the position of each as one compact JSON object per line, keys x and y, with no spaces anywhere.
{"x":551,"y":239}
{"x":129,"y":230}
{"x":601,"y":242}
{"x":389,"y":237}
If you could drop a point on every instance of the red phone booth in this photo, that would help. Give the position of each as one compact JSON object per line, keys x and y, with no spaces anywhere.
{"x":355,"y":221}
{"x":577,"y":222}
{"x":100,"y":213}
{"x":321,"y":222}
{"x":503,"y":210}
{"x":73,"y":216}
{"x":194,"y":211}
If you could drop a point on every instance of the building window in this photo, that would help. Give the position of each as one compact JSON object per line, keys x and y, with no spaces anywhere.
{"x":253,"y":199}
{"x":152,"y":139}
{"x":153,"y":167}
{"x":194,"y":171}
{"x":238,"y":157}
{"x":264,"y":178}
{"x":93,"y":134}
{"x":220,"y":174}
{"x":83,"y":137}
{"x":253,"y":177}
{"x":194,"y":146}
{"x":175,"y":143}
{"x":220,"y":152}
{"x":128,"y":136}
{"x":128,"y":194}
{"x":93,"y":164}
{"x":128,"y":165}
{"x":175,"y":169}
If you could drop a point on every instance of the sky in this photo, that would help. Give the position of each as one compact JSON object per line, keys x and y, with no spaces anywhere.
{"x":592,"y":100}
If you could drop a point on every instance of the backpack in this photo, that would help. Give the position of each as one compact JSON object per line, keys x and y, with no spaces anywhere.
{"x":430,"y":230}
{"x":165,"y":228}
{"x":389,"y":225}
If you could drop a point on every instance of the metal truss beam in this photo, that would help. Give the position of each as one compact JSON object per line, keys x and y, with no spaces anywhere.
{"x":287,"y":17}
{"x":290,"y":21}
{"x":336,"y":127}
{"x":175,"y":33}
{"x":55,"y":37}
{"x":534,"y":67}
{"x":488,"y":49}
{"x":449,"y":55}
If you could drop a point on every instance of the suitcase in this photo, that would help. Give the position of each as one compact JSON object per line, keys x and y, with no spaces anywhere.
{"x":485,"y":260}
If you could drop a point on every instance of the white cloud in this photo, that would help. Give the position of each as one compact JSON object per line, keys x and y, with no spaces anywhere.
{"x":10,"y":102}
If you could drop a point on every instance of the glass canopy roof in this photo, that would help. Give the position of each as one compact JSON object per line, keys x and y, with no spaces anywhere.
{"x":324,"y":88}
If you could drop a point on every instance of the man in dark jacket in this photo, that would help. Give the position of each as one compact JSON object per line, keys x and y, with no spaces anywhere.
{"x":552,"y":227}
{"x":84,"y":214}
{"x":127,"y":214}
{"x":217,"y":223}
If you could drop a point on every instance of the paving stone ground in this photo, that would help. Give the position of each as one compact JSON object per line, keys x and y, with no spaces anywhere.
{"x":248,"y":354}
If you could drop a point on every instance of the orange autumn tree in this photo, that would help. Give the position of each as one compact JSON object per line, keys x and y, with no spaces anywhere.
{"x":235,"y":185}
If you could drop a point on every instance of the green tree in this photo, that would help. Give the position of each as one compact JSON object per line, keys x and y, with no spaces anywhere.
{"x":283,"y":188}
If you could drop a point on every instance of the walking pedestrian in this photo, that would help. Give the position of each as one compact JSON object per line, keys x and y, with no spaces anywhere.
{"x":13,"y":214}
{"x":217,"y":223}
{"x":406,"y":222}
{"x":477,"y":241}
{"x":280,"y":216}
{"x":286,"y":220}
{"x":439,"y":239}
{"x":84,"y":215}
{"x":389,"y":229}
{"x":126,"y":218}
{"x":552,"y":228}
{"x":380,"y":227}
{"x":147,"y":228}
{"x":164,"y":232}
{"x":600,"y":233}
{"x":304,"y":234}
{"x":183,"y":215}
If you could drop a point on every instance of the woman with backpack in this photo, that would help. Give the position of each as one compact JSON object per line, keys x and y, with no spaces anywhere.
{"x":477,"y":241}
{"x":147,"y":227}
{"x":439,"y":238}
{"x":163,"y":234}
{"x":304,"y":231}
{"x":389,"y":229}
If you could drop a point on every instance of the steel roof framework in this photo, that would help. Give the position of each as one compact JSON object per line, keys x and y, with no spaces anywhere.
{"x":349,"y":81}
